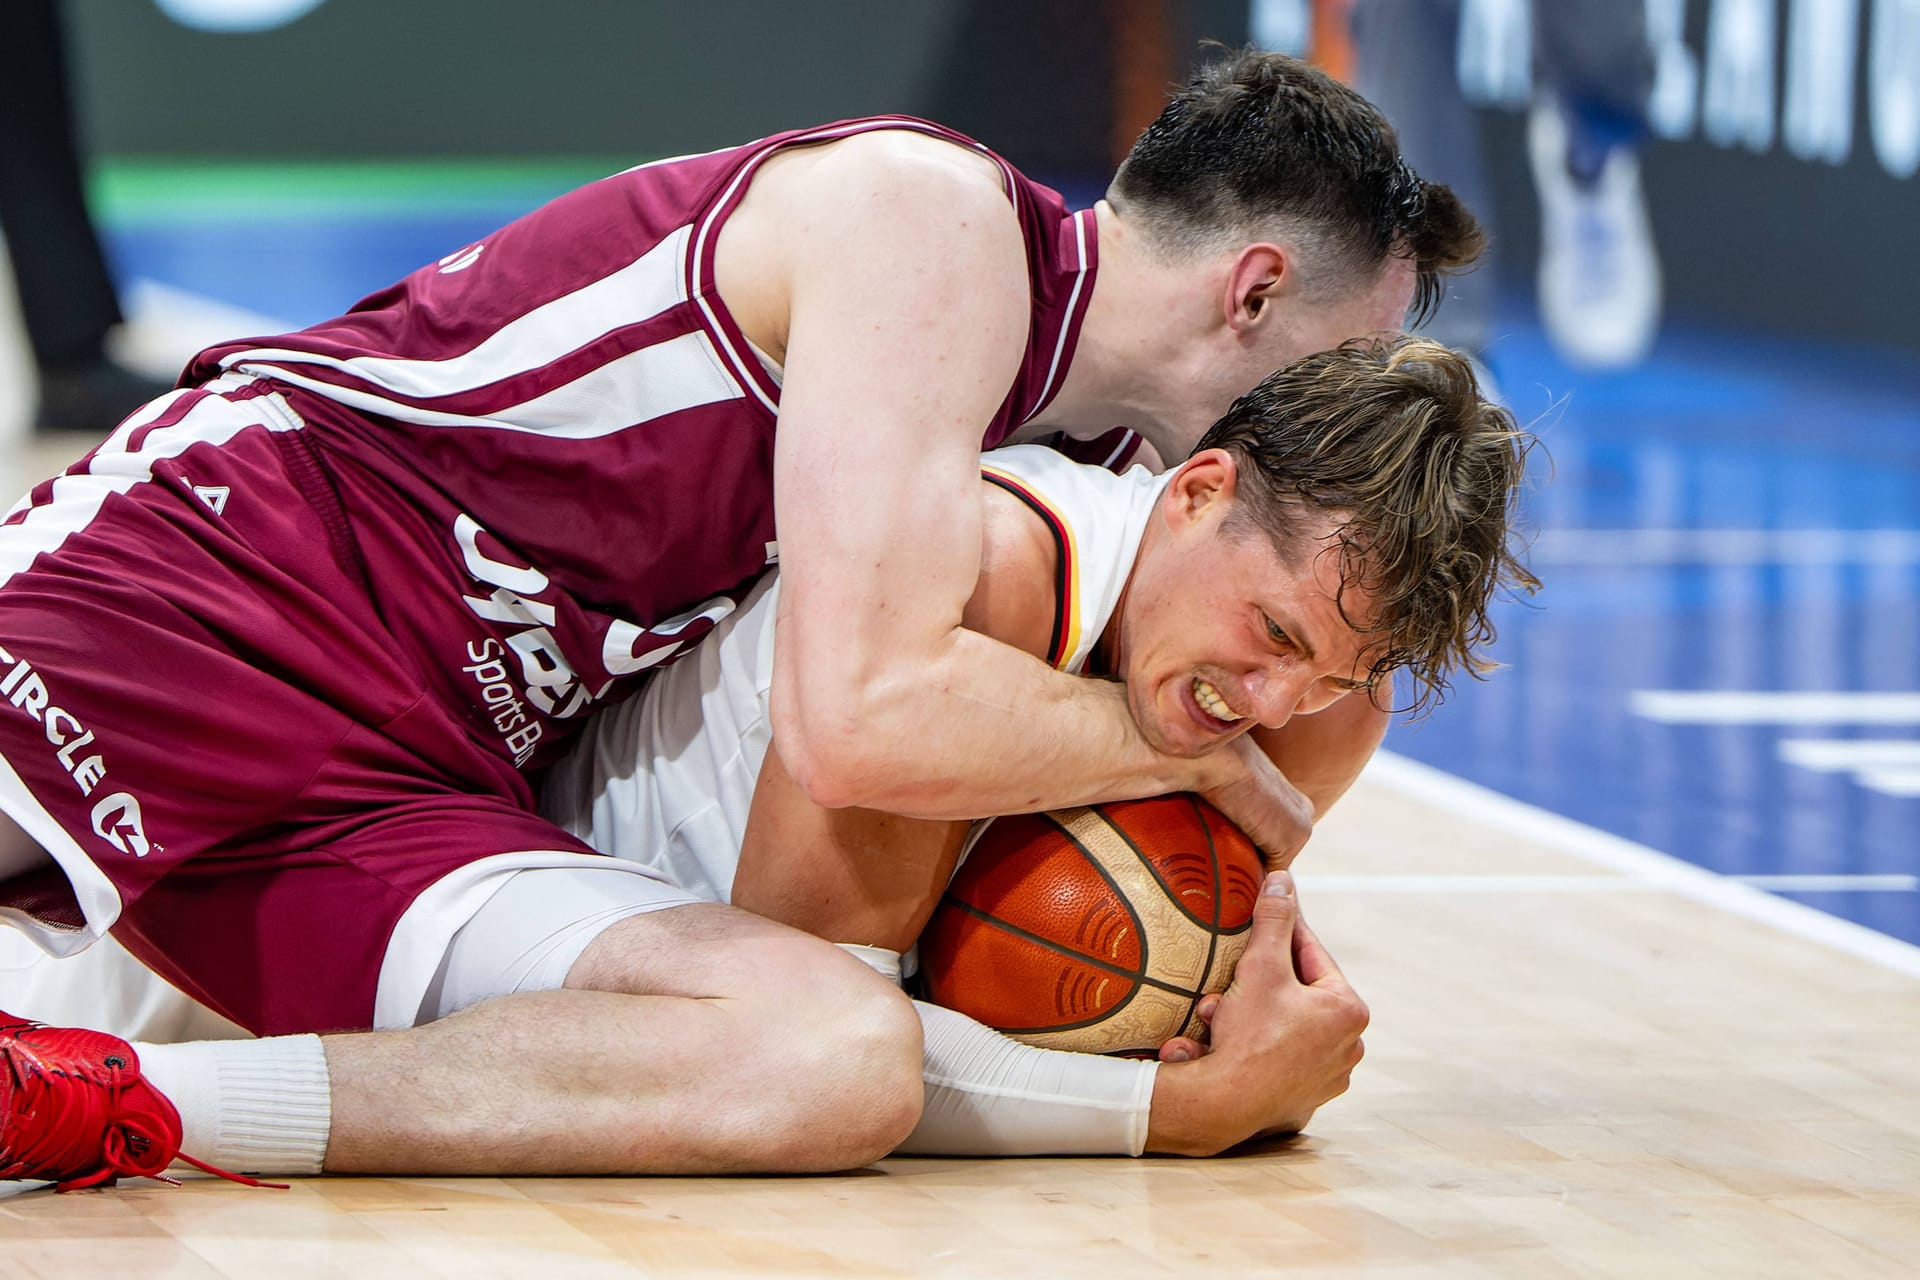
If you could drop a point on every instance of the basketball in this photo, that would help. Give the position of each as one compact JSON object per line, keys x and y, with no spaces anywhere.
{"x":1095,"y":929}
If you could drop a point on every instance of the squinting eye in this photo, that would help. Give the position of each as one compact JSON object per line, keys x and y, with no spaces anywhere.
{"x":1273,"y":629}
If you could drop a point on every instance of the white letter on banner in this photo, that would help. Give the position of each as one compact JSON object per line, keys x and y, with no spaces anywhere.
{"x":1738,"y":106}
{"x":1893,"y":85}
{"x":1673,"y":105}
{"x":1493,"y":53}
{"x":1821,"y":37}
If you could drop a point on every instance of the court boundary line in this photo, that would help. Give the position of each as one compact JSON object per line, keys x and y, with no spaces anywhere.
{"x":1525,"y":821}
{"x":1470,"y":882}
{"x":1721,"y":547}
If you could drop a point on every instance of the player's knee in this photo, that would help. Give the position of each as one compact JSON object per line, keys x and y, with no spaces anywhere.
{"x":888,"y":1034}
{"x":850,"y":1053}
{"x":821,"y":1066}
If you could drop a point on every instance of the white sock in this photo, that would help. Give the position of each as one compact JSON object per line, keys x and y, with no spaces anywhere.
{"x":882,"y":961}
{"x":247,"y":1106}
{"x":989,"y":1095}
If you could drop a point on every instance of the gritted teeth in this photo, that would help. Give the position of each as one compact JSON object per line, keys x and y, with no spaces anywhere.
{"x":1211,"y":702}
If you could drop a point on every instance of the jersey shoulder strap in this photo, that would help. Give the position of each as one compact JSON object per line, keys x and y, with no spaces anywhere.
{"x":1096,"y":519}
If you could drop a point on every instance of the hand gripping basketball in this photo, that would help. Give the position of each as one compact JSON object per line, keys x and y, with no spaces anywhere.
{"x":1283,"y":1040}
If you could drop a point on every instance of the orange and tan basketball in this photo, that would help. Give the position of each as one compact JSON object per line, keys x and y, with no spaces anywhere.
{"x":1095,"y":929}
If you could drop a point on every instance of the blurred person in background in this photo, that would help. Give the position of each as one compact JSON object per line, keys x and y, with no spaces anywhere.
{"x":67,"y":298}
{"x":1592,"y":69}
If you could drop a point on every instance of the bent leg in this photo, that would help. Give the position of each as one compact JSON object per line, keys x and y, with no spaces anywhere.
{"x":698,"y":1039}
{"x":1595,"y":57}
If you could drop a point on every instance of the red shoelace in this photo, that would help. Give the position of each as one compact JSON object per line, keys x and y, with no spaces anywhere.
{"x":75,"y":1111}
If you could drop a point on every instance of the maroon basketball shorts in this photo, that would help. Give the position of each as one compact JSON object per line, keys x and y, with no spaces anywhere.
{"x":206,"y":719}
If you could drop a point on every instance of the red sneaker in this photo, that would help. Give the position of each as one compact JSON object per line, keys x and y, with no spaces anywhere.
{"x":75,"y":1111}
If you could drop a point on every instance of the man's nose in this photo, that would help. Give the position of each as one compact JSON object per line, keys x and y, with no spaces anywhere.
{"x":1276,"y":695}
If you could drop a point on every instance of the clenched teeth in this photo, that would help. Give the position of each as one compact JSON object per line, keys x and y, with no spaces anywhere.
{"x":1211,"y":702}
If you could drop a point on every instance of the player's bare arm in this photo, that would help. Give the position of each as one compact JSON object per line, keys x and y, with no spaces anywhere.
{"x":863,"y":875}
{"x":895,"y":359}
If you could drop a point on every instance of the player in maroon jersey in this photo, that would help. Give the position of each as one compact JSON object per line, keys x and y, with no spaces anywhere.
{"x":280,"y":655}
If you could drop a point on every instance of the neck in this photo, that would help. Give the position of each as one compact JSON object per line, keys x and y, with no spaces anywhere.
{"x":1107,"y":654}
{"x":1104,"y":658}
{"x":1134,"y":355}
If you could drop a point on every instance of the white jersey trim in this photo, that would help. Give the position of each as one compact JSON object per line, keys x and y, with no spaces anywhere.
{"x":1068,"y":327}
{"x":654,"y":381}
{"x":99,"y":900}
{"x":645,"y":287}
{"x":659,"y":379}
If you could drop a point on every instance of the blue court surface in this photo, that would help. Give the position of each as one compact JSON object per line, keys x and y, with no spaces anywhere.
{"x":1724,"y":664}
{"x":1724,"y":661}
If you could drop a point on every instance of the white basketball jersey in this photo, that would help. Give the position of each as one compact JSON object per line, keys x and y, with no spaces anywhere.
{"x":666,"y":778}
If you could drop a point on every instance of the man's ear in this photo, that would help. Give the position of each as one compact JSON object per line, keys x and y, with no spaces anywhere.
{"x":1202,"y":488}
{"x":1258,"y":276}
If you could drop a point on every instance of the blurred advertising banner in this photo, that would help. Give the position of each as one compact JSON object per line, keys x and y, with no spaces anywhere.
{"x":1781,"y":174}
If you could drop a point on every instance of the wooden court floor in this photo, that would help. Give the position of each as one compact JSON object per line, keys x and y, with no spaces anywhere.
{"x":1575,"y":1069}
{"x":1572,"y":1071}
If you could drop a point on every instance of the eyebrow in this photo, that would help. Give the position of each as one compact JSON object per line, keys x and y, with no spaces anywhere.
{"x":1297,"y":634}
{"x":1306,"y":646}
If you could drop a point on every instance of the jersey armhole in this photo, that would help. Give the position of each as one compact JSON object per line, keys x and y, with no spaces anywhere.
{"x":1061,"y":642}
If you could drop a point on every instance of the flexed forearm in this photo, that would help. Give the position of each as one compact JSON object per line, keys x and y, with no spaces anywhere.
{"x":980,"y":728}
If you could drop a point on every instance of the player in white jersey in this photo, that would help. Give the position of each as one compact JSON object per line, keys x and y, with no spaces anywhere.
{"x":1082,"y":567}
{"x":669,"y":780}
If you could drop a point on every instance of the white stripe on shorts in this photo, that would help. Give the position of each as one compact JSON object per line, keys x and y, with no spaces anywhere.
{"x":117,"y":467}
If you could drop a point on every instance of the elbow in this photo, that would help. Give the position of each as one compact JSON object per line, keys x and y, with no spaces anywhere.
{"x":851,"y":720}
{"x":833,"y":752}
{"x":831,"y":773}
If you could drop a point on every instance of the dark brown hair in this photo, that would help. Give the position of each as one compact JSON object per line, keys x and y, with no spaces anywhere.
{"x":1260,"y":142}
{"x":1394,"y":435}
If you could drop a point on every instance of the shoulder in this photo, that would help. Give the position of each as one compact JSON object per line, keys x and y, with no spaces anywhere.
{"x":1070,"y":483}
{"x":888,"y":179}
{"x":907,"y":162}
{"x":886,"y":230}
{"x":1058,"y":544}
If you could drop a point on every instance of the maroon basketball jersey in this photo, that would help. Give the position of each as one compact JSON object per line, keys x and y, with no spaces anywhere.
{"x":572,"y":403}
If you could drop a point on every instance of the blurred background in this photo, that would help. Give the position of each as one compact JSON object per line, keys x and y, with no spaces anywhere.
{"x":1700,"y":297}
